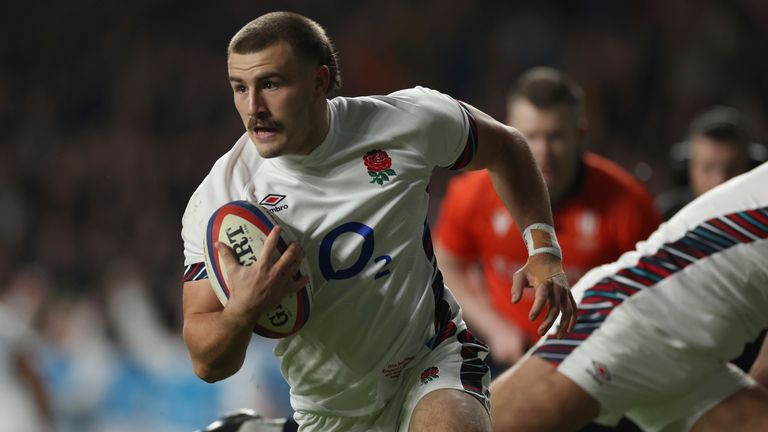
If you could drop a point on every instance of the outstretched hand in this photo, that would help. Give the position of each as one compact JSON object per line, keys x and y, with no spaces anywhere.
{"x":258,"y":288}
{"x":544,"y":273}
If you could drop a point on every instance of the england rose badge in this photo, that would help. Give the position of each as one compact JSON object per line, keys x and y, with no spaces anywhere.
{"x":379,"y":166}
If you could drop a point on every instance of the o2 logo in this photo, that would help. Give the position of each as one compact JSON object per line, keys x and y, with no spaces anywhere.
{"x":366,"y":252}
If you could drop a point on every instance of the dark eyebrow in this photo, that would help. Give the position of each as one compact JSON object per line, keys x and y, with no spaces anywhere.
{"x":266,"y":76}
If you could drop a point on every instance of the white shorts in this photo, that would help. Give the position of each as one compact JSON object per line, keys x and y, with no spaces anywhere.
{"x":659,"y":389}
{"x":659,"y":355}
{"x":458,"y":363}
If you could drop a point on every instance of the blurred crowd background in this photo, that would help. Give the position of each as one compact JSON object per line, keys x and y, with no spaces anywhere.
{"x":112,"y":113}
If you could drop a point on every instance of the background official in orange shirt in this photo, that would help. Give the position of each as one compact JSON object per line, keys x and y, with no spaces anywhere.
{"x":599,"y":211}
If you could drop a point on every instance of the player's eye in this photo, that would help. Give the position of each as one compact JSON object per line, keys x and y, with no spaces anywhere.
{"x":238,"y":88}
{"x":269,"y":85}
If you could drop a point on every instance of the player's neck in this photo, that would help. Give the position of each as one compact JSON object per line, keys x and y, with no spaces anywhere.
{"x":320,"y":128}
{"x":572,"y":187}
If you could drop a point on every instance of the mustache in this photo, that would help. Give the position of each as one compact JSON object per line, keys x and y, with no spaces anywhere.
{"x":254,"y":123}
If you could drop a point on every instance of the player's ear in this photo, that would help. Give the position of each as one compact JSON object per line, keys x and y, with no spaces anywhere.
{"x":322,"y":80}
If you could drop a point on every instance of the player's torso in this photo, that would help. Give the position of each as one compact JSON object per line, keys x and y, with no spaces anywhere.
{"x":357,"y":204}
{"x":358,"y":208}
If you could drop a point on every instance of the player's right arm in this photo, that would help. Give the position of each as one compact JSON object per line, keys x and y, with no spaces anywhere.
{"x":217,"y":337}
{"x":215,"y":341}
{"x":507,"y":341}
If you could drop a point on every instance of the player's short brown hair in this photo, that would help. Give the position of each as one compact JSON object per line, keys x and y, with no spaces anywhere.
{"x":305,"y":36}
{"x":546,"y":88}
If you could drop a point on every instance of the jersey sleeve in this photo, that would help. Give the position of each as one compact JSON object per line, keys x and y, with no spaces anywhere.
{"x":454,"y":230}
{"x":226,"y":182}
{"x":450,"y":131}
{"x":192,"y":233}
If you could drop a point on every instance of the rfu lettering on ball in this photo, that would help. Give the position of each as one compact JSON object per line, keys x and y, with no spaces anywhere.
{"x":239,"y":241}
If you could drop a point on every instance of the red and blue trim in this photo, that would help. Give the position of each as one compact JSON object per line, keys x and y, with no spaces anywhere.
{"x":473,"y":367}
{"x":473,"y":352}
{"x":195,"y":272}
{"x":470,"y":147}
{"x":711,"y":237}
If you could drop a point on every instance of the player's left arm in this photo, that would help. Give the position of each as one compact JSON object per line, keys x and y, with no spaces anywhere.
{"x":504,"y":152}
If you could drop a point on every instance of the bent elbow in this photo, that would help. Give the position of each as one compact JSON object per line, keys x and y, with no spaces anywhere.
{"x":209,"y":374}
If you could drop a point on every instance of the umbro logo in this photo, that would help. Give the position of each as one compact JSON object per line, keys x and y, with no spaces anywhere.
{"x":271,"y":201}
{"x":599,"y":372}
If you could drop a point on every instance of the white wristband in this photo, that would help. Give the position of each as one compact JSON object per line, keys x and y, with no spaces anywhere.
{"x":549,"y":246}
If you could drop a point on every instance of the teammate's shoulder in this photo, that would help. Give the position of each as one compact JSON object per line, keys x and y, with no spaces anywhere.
{"x":417,"y":92}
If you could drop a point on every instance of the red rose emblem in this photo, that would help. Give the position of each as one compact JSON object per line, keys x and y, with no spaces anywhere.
{"x":377,"y":160}
{"x":379,"y":166}
{"x":429,"y":374}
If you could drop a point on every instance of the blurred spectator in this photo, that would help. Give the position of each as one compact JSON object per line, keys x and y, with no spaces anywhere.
{"x":717,"y":148}
{"x":98,"y":157}
{"x":599,"y":212}
{"x":24,"y":401}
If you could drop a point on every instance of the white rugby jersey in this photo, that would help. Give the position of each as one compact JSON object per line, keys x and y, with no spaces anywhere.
{"x":700,"y":280}
{"x":358,"y":207}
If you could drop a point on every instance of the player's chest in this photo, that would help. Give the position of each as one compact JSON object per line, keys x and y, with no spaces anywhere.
{"x":318,"y":203}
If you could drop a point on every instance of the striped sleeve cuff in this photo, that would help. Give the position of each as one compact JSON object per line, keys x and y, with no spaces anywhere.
{"x":195,"y":272}
{"x":470,"y":147}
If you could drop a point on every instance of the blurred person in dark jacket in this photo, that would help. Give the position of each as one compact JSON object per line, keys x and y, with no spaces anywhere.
{"x":717,"y":149}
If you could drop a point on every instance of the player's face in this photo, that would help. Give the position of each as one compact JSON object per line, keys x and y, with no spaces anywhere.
{"x":555,"y":136}
{"x":713,"y":162}
{"x":280,"y":99}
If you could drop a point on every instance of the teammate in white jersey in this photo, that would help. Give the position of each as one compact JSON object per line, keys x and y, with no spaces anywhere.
{"x":385,"y":347}
{"x":655,"y":329}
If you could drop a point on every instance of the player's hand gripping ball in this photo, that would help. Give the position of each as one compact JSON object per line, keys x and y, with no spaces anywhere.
{"x":244,"y":227}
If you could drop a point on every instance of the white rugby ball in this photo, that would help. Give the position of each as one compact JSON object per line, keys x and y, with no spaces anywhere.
{"x":244,"y":226}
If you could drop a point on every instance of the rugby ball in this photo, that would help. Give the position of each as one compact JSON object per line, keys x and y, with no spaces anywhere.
{"x":244,"y":226}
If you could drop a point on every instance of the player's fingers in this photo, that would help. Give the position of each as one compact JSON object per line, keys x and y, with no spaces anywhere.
{"x":552,"y":312}
{"x":270,"y":245}
{"x":570,"y":314}
{"x":299,"y":282}
{"x":288,"y":263}
{"x":566,"y":309}
{"x":518,"y":283}
{"x":292,"y":254}
{"x":575,"y":308}
{"x":542,"y":295}
{"x":227,"y":256}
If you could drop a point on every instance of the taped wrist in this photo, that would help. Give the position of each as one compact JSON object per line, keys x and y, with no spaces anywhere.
{"x":540,"y":238}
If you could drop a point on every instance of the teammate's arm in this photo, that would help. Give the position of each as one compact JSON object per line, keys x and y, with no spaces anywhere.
{"x":519,"y":183}
{"x":217,"y":337}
